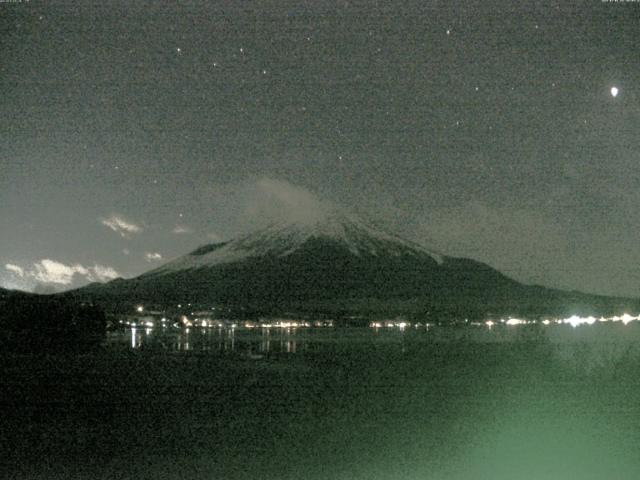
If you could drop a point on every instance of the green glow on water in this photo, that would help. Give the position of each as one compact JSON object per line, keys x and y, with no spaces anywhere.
{"x":536,"y":444}
{"x":369,"y":406}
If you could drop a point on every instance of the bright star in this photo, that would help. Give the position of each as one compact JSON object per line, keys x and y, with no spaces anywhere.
{"x":614,"y":91}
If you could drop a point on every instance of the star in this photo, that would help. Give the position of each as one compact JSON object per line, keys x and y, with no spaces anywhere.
{"x":614,"y":92}
{"x":179,"y":50}
{"x":448,"y":32}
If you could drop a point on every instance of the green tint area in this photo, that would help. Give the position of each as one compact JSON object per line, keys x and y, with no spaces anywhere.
{"x":400,"y":406}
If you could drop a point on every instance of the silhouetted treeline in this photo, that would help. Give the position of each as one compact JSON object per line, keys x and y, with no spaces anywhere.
{"x":38,"y":323}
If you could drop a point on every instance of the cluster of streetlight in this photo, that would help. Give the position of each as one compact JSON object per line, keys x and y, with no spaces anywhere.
{"x":573,"y":320}
{"x":185,"y":321}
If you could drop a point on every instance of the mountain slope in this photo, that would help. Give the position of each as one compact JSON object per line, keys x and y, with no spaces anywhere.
{"x":281,"y":240}
{"x":336,"y":265}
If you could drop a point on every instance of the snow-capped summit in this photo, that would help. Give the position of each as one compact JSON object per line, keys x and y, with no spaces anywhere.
{"x":314,"y":259}
{"x":339,"y":229}
{"x":330,"y":263}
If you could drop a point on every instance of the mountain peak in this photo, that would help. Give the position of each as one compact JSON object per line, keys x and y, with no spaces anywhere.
{"x":280,"y":239}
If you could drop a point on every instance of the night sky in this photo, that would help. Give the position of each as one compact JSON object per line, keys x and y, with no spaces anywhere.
{"x":132,"y":132}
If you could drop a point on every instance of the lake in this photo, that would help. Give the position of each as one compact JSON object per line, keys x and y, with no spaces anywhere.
{"x":465,"y":402}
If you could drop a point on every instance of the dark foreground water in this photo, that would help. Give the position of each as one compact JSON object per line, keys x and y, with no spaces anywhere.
{"x":447,"y":403}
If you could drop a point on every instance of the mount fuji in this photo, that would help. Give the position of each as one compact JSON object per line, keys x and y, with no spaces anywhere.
{"x":343,"y":232}
{"x":336,"y":264}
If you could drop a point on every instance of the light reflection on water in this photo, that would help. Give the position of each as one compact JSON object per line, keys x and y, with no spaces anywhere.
{"x":134,"y":338}
{"x":218,"y":340}
{"x":296,"y":340}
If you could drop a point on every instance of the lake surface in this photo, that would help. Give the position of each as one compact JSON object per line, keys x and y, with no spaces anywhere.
{"x":600,"y":338}
{"x":473,"y":402}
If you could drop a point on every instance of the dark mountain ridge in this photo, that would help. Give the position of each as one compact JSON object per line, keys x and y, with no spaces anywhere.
{"x":339,"y":265}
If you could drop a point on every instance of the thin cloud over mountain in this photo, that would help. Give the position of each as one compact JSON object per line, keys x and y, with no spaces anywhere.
{"x":120,"y":225}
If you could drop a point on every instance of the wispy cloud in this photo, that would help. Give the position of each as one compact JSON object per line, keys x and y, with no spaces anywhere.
{"x":15,"y":269}
{"x":120,"y":225}
{"x":276,"y":200}
{"x":182,"y":230}
{"x":104,"y":274}
{"x":52,"y":272}
{"x":152,"y":256}
{"x":214,"y":237}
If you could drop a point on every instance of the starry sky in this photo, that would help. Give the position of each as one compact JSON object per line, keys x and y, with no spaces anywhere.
{"x":133,"y":132}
